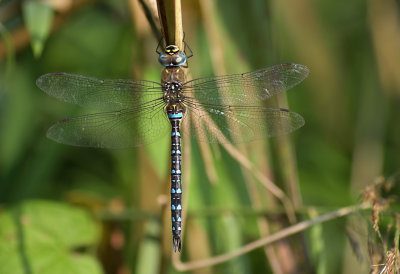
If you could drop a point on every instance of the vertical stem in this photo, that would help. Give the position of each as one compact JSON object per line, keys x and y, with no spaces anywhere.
{"x":170,"y":13}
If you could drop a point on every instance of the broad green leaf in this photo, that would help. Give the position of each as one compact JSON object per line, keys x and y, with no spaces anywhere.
{"x":40,"y":236}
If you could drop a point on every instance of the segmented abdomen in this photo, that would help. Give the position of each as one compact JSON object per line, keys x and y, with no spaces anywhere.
{"x":175,"y":118}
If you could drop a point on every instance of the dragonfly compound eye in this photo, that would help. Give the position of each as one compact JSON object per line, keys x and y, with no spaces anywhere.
{"x":179,"y":59}
{"x":164,"y":59}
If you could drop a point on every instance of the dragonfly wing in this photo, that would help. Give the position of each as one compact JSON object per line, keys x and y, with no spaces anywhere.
{"x":107,"y":94}
{"x":217,"y":123}
{"x":246,"y":88}
{"x":116,"y":129}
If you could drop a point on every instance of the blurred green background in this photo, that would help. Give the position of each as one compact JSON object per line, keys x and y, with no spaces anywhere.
{"x":82,"y":210}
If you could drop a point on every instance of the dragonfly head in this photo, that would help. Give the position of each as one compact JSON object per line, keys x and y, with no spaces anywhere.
{"x":172,"y":57}
{"x":171,"y":49}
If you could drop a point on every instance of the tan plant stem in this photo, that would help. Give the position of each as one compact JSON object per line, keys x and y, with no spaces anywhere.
{"x":170,"y":14}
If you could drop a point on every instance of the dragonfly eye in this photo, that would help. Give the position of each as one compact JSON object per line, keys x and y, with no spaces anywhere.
{"x":164,"y":59}
{"x":179,"y":60}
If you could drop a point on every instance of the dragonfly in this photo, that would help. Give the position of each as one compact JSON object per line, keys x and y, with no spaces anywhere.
{"x":139,"y":112}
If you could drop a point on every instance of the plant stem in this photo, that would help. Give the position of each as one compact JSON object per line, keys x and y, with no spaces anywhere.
{"x":170,"y":14}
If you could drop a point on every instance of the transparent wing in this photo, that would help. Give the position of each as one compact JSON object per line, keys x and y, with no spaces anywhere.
{"x":246,"y":88}
{"x":108,"y":94}
{"x":238,"y":123}
{"x":116,"y":129}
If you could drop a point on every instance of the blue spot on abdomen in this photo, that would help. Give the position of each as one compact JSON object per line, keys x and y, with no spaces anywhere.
{"x":175,"y":115}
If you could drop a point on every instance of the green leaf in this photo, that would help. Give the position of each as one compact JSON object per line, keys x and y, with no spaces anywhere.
{"x":38,"y":18}
{"x":44,"y":237}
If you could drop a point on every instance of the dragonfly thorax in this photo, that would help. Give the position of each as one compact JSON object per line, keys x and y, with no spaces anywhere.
{"x":172,"y":93}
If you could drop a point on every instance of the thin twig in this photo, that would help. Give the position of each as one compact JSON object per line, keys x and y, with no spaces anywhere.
{"x":270,"y":239}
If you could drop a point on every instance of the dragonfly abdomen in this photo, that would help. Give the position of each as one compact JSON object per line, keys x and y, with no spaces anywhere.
{"x":175,"y":117}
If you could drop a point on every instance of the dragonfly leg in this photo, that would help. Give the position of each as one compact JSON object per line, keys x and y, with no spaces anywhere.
{"x":187,"y":46}
{"x":158,"y":46}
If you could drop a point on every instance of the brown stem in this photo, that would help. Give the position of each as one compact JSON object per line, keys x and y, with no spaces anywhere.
{"x":170,"y":14}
